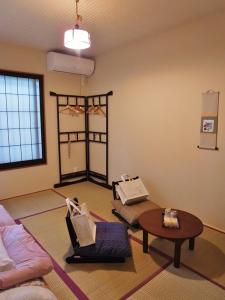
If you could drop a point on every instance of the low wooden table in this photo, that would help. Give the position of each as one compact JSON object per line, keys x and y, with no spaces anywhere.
{"x":190,"y":227}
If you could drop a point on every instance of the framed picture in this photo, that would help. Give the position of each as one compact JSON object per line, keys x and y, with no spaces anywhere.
{"x":208,"y":125}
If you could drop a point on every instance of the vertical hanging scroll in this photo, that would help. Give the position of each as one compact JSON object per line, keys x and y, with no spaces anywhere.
{"x":209,"y":120}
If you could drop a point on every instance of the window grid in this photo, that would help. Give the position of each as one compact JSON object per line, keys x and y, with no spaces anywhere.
{"x":6,"y":103}
{"x":19,"y":121}
{"x":19,"y":94}
{"x":20,"y":147}
{"x":32,"y":154}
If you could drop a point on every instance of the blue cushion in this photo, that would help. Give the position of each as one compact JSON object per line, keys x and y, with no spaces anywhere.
{"x":111,"y":241}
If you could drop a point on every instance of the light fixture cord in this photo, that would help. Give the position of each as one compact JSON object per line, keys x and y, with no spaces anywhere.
{"x":79,"y":17}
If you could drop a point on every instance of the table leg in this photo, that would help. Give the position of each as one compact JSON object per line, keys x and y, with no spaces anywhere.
{"x":191,"y":243}
{"x":145,"y":241}
{"x":177,"y":252}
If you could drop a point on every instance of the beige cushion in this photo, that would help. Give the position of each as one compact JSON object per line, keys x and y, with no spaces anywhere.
{"x":131,"y":213}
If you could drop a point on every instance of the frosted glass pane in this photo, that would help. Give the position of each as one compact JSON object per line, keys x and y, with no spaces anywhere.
{"x":13,"y":120}
{"x":2,"y":84}
{"x":4,"y":155}
{"x":33,"y":86}
{"x":40,"y":149}
{"x":36,"y":152}
{"x":2,"y":102}
{"x":12,"y":102}
{"x":37,"y":87}
{"x":25,"y":135}
{"x":34,"y":119}
{"x":26,"y":152}
{"x":38,"y":104}
{"x":23,"y":86}
{"x":39,"y":120}
{"x":34,"y":103}
{"x":24,"y":120}
{"x":24,"y":103}
{"x":3,"y":120}
{"x":14,"y":137}
{"x":34,"y":136}
{"x":15,"y":153}
{"x":39,"y":135}
{"x":11,"y":84}
{"x":4,"y":140}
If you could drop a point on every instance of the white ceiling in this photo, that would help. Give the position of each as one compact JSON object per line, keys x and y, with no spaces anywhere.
{"x":111,"y":23}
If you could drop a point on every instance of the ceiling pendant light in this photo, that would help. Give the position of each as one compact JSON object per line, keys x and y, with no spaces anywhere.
{"x":77,"y":38}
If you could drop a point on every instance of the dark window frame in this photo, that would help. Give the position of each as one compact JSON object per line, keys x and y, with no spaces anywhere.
{"x":33,"y":162}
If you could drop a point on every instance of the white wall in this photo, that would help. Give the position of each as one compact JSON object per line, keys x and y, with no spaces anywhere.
{"x":155,"y":115}
{"x":30,"y":179}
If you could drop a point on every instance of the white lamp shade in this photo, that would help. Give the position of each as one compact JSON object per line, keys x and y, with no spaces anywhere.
{"x":77,"y":39}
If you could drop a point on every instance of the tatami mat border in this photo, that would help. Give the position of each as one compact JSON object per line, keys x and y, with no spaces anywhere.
{"x":68,"y":281}
{"x":41,"y":212}
{"x":76,"y":290}
{"x":206,"y":225}
{"x":62,"y":195}
{"x":186,"y":266}
{"x":148,"y":279}
{"x":22,"y":195}
{"x":160,"y":252}
{"x":213,"y":228}
{"x":59,"y":193}
{"x":62,"y":274}
{"x":202,"y":275}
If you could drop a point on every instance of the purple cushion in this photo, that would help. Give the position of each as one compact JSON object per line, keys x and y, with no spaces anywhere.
{"x":111,"y":241}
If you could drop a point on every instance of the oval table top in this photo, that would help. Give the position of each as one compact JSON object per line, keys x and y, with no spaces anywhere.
{"x":152,"y":221}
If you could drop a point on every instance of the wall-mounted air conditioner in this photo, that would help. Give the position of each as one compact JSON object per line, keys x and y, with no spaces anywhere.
{"x":69,"y":64}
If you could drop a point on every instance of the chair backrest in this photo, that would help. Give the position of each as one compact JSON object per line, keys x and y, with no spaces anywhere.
{"x":114,"y":183}
{"x":72,"y":233}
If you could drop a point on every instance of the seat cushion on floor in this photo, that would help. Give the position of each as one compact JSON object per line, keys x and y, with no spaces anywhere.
{"x":29,"y":259}
{"x":132,"y":212}
{"x":111,"y":241}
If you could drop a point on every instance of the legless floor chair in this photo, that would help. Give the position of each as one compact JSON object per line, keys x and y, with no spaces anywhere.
{"x":112,"y":244}
{"x":130,"y":213}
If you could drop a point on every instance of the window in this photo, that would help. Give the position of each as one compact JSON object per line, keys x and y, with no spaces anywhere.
{"x":22,"y":138}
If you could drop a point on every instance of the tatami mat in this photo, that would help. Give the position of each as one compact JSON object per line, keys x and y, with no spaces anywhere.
{"x":97,"y":198}
{"x":95,"y":280}
{"x":178,"y":284}
{"x":208,"y":257}
{"x":142,"y":276}
{"x":27,"y":205}
{"x":58,"y":287}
